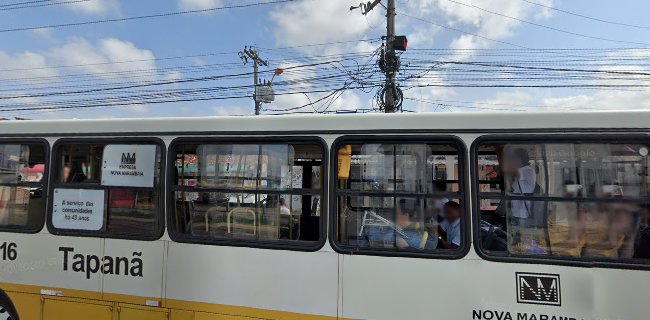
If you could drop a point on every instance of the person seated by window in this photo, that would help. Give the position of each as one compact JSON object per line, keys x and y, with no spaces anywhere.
{"x":75,"y":173}
{"x":412,"y":234}
{"x":450,"y":226}
{"x":284,"y":210}
{"x":290,"y":224}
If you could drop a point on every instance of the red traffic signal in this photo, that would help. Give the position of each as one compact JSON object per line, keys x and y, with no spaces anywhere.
{"x":401,"y":43}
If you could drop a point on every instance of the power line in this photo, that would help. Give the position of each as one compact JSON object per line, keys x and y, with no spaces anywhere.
{"x":198,"y":55}
{"x":587,"y":17}
{"x":150,"y":16}
{"x":156,"y":83}
{"x":545,"y":26}
{"x":3,"y":8}
{"x":461,"y":31}
{"x":551,"y":69}
{"x":130,"y":103}
{"x":322,"y":44}
{"x":463,"y":106}
{"x":23,"y":3}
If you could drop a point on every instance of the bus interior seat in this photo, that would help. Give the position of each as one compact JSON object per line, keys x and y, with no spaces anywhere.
{"x":241,"y":213}
{"x":123,"y":198}
{"x":289,"y":227}
{"x":425,"y":238}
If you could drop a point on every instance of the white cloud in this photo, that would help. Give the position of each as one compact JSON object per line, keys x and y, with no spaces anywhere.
{"x":611,"y":98}
{"x":23,"y":66}
{"x":101,"y":59}
{"x":314,"y":21}
{"x":199,"y":4}
{"x":173,"y":76}
{"x":44,"y":33}
{"x":311,"y":21}
{"x":237,"y":110}
{"x":138,"y":108}
{"x":486,"y":24}
{"x":95,"y":7}
{"x":602,"y":98}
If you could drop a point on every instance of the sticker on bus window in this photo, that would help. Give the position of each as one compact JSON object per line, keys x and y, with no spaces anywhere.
{"x":129,"y":165}
{"x":78,"y":209}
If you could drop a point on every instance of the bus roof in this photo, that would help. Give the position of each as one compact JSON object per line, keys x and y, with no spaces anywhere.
{"x":459,"y":122}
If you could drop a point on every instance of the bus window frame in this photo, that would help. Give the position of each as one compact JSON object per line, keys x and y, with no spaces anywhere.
{"x":45,"y":183}
{"x":547,"y":138}
{"x":306,"y":246}
{"x":104,"y":234}
{"x":463,"y":194}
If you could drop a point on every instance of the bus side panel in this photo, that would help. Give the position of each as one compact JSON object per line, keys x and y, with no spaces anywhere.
{"x":622,"y":294}
{"x":409,"y":288}
{"x":52,"y":263}
{"x":125,"y":312}
{"x":143,"y":279}
{"x":64,"y":309}
{"x":28,"y":305}
{"x":278,"y":280}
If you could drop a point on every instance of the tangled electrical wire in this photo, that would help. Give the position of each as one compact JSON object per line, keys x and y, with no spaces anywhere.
{"x":398,"y":96}
{"x":390,"y":63}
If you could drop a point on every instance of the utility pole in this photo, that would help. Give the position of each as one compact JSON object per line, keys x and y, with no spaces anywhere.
{"x":253,"y":55}
{"x":389,"y":62}
{"x":390,"y":55}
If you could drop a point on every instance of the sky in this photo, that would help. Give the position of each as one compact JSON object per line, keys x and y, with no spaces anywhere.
{"x":176,"y":50}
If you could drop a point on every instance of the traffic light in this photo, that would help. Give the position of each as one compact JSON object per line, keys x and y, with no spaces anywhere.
{"x":401,"y":43}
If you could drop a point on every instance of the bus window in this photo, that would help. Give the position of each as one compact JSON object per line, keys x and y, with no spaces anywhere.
{"x":253,"y":193}
{"x":107,"y":188}
{"x":583,"y":201}
{"x":22,"y":168}
{"x":401,"y":197}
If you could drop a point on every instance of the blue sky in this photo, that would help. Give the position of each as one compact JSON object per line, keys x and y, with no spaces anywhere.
{"x":221,"y":34}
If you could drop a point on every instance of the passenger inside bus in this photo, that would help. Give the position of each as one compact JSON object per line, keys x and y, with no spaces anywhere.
{"x":570,"y":200}
{"x":406,"y":232}
{"x":449,"y":230}
{"x":391,"y":196}
{"x":74,"y":173}
{"x":415,"y":236}
{"x":522,"y":180}
{"x":284,"y":210}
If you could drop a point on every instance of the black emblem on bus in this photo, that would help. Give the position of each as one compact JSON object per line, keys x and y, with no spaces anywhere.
{"x":538,"y":288}
{"x":128,"y":158}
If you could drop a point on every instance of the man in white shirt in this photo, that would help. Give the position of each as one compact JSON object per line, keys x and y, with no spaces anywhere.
{"x":284,"y":210}
{"x":451,"y":226}
{"x":524,"y":181}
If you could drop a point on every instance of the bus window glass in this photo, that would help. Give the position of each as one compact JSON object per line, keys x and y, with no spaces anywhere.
{"x":22,"y":170}
{"x":123,"y":181}
{"x":399,"y":197}
{"x":585,"y":201}
{"x":256,"y":192}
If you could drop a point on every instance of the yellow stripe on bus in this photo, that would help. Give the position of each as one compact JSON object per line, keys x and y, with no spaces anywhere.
{"x":25,"y":296}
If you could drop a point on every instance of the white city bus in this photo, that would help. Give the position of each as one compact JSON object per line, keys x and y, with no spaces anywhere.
{"x":536,"y":216}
